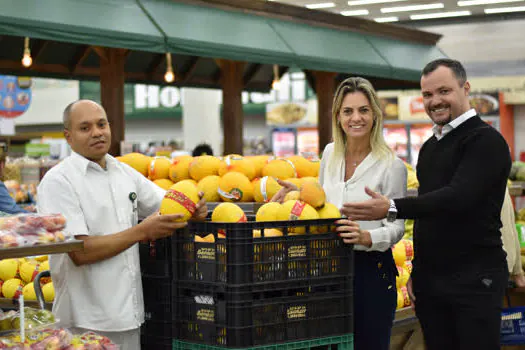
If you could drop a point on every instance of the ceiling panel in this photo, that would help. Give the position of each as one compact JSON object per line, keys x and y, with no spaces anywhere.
{"x":382,"y":10}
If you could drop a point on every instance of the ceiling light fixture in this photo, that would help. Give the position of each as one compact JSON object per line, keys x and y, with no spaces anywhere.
{"x":434,"y":6}
{"x":27,"y":61}
{"x":484,"y":2}
{"x":505,"y":9}
{"x":440,"y":15}
{"x":169,"y":77}
{"x":323,"y":5}
{"x":276,"y":84}
{"x":370,"y":2}
{"x":386,"y":19}
{"x":355,"y":13}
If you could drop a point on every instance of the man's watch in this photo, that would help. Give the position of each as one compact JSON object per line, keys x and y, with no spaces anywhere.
{"x":392,"y":212}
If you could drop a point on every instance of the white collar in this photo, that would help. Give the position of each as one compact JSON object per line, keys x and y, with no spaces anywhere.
{"x":453,"y":124}
{"x":83,"y":163}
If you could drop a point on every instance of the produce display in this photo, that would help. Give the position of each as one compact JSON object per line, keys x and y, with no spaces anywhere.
{"x":21,"y":193}
{"x":31,"y":229}
{"x":17,"y":277}
{"x":34,"y":319}
{"x":58,"y":339}
{"x":232,"y":178}
{"x":403,"y":253}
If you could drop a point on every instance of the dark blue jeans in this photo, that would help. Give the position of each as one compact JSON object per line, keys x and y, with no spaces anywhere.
{"x":375,"y":299}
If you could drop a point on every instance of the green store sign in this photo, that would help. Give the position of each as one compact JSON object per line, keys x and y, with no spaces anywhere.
{"x":164,"y":102}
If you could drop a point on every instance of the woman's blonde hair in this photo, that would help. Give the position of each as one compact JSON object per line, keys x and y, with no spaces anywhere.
{"x":377,"y":142}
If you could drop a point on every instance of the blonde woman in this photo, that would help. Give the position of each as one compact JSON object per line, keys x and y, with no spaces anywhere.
{"x":359,"y":158}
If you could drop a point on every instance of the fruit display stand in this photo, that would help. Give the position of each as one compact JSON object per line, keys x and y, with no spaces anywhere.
{"x":42,"y":249}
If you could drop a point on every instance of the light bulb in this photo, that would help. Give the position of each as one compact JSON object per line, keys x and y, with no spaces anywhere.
{"x":276,"y":84}
{"x":27,"y":61}
{"x":169,"y":76}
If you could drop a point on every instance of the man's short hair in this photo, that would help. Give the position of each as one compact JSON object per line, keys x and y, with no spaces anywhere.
{"x":455,"y":66}
{"x":66,"y":117}
{"x":202,"y":149}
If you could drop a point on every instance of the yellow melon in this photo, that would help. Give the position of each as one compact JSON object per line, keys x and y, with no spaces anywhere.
{"x":159,"y":168}
{"x":237,"y":164}
{"x":296,"y":181}
{"x":296,"y":210}
{"x":308,"y":179}
{"x":258,"y":163}
{"x":12,"y":288}
{"x":181,"y":198}
{"x":303,"y":167}
{"x":313,"y":194}
{"x":203,"y":166}
{"x":403,"y":251}
{"x":328,"y":211}
{"x":291,"y":196}
{"x":29,"y":292}
{"x":235,"y":187}
{"x":265,"y":189}
{"x":227,"y":212}
{"x":49,"y":292}
{"x":8,"y":269}
{"x":268,"y":212}
{"x":268,"y":232}
{"x":314,"y":168}
{"x":137,"y":161}
{"x":163,"y":183}
{"x":402,"y":278}
{"x":29,"y":270}
{"x":189,"y":181}
{"x":408,"y":266}
{"x":279,"y":168}
{"x":180,"y":168}
{"x":209,"y":186}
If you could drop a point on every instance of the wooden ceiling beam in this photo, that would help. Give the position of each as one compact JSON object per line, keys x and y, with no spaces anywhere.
{"x":38,"y":48}
{"x":155,"y":64}
{"x":79,"y":57}
{"x":190,"y":70}
{"x":251,"y":73}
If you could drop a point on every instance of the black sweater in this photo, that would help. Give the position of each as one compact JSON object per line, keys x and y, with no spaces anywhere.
{"x":462,"y":181}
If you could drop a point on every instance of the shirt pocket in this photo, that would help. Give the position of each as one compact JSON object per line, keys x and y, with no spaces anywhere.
{"x":126,"y":202}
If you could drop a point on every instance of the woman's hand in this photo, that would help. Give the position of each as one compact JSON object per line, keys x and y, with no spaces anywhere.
{"x":352,"y":233}
{"x":286,"y":188}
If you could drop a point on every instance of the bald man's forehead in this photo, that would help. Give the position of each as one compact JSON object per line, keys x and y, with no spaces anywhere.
{"x":87,"y":112}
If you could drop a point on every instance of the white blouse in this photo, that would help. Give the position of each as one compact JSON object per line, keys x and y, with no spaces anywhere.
{"x":386,"y":177}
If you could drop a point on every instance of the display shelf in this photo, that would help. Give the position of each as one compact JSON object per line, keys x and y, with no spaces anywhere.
{"x":13,"y":304}
{"x":42,"y":249}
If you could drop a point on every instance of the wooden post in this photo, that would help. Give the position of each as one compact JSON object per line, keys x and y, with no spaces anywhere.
{"x":325,"y":89}
{"x":112,"y":92}
{"x":232,"y":115}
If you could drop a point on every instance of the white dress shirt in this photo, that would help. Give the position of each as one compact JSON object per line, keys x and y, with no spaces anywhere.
{"x":453,"y":124}
{"x":107,"y":295}
{"x":386,"y":177}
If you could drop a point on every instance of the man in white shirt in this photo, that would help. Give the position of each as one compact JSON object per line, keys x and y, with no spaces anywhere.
{"x":99,"y":288}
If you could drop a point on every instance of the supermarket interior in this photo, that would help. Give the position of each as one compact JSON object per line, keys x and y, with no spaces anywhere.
{"x":232,"y":103}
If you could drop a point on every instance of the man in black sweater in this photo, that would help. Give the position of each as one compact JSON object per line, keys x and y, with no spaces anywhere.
{"x":459,"y":271}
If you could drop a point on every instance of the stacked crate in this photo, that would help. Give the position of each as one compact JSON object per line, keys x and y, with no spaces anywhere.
{"x":247,"y":291}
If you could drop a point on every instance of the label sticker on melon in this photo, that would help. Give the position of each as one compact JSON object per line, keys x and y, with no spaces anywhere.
{"x":264,"y":180}
{"x":19,"y":291}
{"x":293,"y":166}
{"x":181,"y":198}
{"x":35,"y":272}
{"x":234,"y":194}
{"x":152,"y":167}
{"x":242,"y":218}
{"x":409,"y":249}
{"x":297,"y":210}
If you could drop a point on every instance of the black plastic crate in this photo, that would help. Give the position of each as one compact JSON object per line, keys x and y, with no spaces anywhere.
{"x":240,"y":258}
{"x":156,"y":343}
{"x":158,"y":293}
{"x":237,"y":318}
{"x":156,"y":258}
{"x":157,"y":329}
